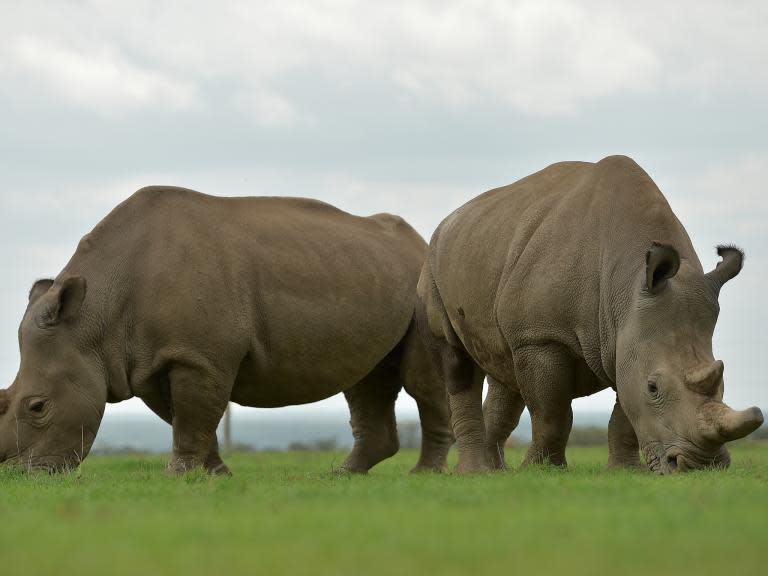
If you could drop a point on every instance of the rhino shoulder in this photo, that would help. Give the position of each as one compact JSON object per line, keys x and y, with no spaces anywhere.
{"x":150,"y":198}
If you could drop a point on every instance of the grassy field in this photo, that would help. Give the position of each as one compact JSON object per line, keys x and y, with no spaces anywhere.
{"x":287,"y":513}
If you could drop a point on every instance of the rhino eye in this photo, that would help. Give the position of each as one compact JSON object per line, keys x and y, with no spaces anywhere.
{"x":37,"y":406}
{"x":653,"y":388}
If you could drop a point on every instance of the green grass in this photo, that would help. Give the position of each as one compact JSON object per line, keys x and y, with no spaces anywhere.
{"x":286,"y":513}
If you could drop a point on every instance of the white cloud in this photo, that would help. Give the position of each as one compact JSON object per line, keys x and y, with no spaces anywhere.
{"x":100,"y":79}
{"x":541,"y":57}
{"x":538,"y":57}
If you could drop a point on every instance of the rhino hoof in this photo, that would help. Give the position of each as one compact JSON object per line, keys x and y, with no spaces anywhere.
{"x":429,"y":469}
{"x":220,"y":470}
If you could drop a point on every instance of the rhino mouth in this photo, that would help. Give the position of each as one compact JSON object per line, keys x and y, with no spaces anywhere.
{"x":676,"y":458}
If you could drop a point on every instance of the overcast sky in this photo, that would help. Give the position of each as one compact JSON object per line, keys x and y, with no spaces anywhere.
{"x":405,"y":107}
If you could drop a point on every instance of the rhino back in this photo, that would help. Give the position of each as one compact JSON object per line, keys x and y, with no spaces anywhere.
{"x":301,"y":298}
{"x":552,"y":257}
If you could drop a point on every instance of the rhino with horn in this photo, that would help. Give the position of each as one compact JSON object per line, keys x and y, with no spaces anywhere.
{"x":572,"y":280}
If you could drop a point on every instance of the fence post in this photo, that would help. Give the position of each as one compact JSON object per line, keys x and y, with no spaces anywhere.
{"x":228,"y":428}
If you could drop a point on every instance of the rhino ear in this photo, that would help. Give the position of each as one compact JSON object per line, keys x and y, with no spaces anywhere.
{"x":67,"y":299}
{"x":728,"y":267}
{"x":39,"y":288}
{"x":661,"y":263}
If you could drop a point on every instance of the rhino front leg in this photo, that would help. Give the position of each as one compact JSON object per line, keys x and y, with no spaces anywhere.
{"x":198,"y":400}
{"x":501,"y":411}
{"x":159,"y":403}
{"x":623,"y":447}
{"x":546,"y":378}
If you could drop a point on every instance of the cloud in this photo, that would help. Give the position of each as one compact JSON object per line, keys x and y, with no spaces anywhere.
{"x":541,"y":58}
{"x":100,"y":80}
{"x":535,"y":57}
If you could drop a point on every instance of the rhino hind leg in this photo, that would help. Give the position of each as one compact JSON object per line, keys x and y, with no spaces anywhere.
{"x":421,"y":381}
{"x":372,"y":416}
{"x":501,"y":411}
{"x":462,"y":377}
{"x":465,"y":398}
{"x":546,"y":377}
{"x":623,"y":447}
{"x":464,"y":383}
{"x":213,"y":464}
{"x":436,"y":435}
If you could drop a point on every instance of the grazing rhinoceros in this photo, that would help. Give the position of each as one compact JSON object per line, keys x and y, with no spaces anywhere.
{"x":572,"y":280}
{"x":188,"y":301}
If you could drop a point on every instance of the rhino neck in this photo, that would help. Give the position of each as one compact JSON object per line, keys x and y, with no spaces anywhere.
{"x":103,"y":329}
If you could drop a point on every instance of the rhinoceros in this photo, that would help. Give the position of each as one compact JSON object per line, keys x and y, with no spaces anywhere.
{"x":576,"y":279}
{"x":189,"y":301}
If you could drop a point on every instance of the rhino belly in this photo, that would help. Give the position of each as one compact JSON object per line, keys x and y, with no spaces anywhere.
{"x":307,"y":357}
{"x":274,"y":388}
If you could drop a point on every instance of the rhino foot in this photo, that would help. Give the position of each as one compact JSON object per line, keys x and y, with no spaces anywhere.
{"x":472,"y":463}
{"x":429,"y":469}
{"x":353,"y":465}
{"x":632,"y":466}
{"x":179,"y":467}
{"x":220,"y":469}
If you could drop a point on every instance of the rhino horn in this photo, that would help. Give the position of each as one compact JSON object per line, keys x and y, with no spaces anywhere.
{"x":705,"y":380}
{"x":719,"y":423}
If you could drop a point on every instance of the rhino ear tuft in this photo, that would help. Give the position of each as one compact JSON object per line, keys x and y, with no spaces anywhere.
{"x":729,"y":266}
{"x":39,"y":288}
{"x":67,"y":300}
{"x":662,"y":262}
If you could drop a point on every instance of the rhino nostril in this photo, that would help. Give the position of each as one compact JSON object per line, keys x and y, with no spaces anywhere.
{"x":672,"y":462}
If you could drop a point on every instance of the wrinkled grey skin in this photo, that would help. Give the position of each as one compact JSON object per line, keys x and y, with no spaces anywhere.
{"x":572,"y":280}
{"x":188,"y":301}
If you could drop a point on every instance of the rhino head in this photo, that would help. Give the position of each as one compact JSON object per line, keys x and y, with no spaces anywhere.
{"x":668,"y":382}
{"x":50,"y":414}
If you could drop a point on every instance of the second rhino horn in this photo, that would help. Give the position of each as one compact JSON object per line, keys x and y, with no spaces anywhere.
{"x":706,"y":379}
